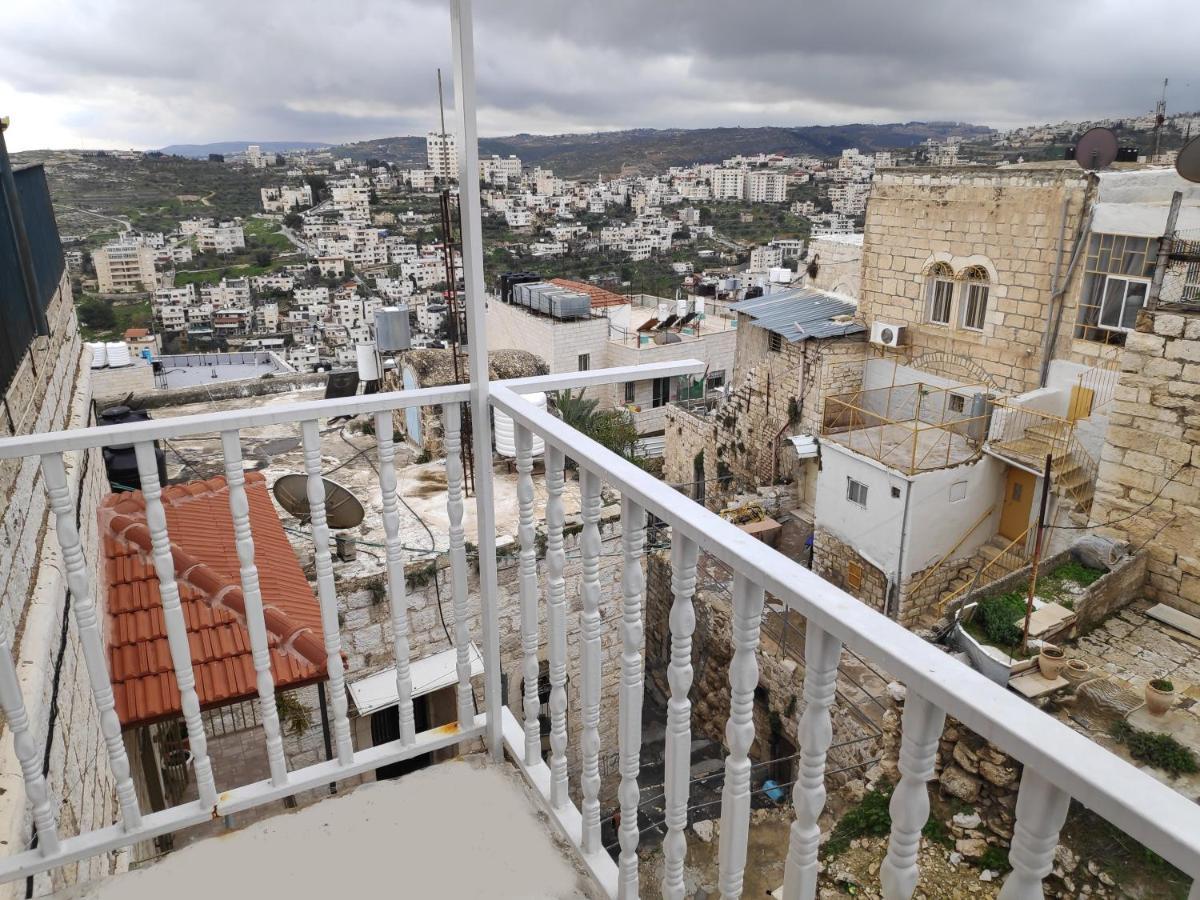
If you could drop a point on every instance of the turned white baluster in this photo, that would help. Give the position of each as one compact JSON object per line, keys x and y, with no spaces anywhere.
{"x":326,"y":592}
{"x":177,"y":636}
{"x":452,"y":417}
{"x":556,"y":622}
{"x":633,"y":587}
{"x":589,"y":651}
{"x":739,"y":735}
{"x":29,"y":753}
{"x":1041,"y":811}
{"x":678,"y":756}
{"x":529,"y":597}
{"x":397,"y":589}
{"x":821,"y":654}
{"x":922,"y":730}
{"x":256,"y":626}
{"x":86,"y":620}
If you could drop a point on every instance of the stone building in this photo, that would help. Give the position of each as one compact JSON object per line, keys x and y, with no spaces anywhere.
{"x":793,"y":348}
{"x":48,"y":388}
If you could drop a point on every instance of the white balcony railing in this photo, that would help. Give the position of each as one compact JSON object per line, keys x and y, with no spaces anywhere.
{"x":1059,"y":762}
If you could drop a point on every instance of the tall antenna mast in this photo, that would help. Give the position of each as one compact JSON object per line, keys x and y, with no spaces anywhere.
{"x":1160,"y":117}
{"x":442,"y":110}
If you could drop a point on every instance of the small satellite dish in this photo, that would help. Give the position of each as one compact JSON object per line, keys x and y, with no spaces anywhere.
{"x":1097,"y":149}
{"x":666,"y":337}
{"x":1187,"y":163}
{"x":342,"y":509}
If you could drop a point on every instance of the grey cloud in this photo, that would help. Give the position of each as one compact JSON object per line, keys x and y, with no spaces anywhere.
{"x":134,"y":72}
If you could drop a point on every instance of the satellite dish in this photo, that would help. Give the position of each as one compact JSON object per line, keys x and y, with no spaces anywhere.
{"x":342,"y":509}
{"x":1187,"y":163}
{"x":1097,"y":149}
{"x":666,"y":337}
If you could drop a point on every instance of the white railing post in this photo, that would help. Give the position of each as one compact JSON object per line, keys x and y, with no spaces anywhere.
{"x":326,"y":592}
{"x":1041,"y":811}
{"x":556,"y":622}
{"x":633,"y":640}
{"x":739,"y":735}
{"x":678,"y":756}
{"x":589,"y":651}
{"x":29,"y":753}
{"x":463,"y":50}
{"x":256,"y":625}
{"x":452,"y":418}
{"x":922,"y":730}
{"x":528,"y":593}
{"x":177,"y":635}
{"x":397,"y":593}
{"x":821,"y":654}
{"x":87,"y":621}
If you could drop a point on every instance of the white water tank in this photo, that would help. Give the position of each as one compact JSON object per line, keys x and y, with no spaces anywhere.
{"x":681,"y":307}
{"x":506,"y":439}
{"x":99,"y":354}
{"x":662,"y":312}
{"x":368,"y":362}
{"x":118,"y":354}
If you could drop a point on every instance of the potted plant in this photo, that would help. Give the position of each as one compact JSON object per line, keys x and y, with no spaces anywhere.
{"x":1051,"y":661}
{"x":1160,"y":696}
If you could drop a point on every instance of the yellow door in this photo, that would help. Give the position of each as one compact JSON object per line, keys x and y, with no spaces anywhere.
{"x":1080,"y":406}
{"x":1018,"y":503}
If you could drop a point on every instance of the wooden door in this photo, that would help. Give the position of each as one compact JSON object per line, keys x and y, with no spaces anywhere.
{"x":1080,"y":406}
{"x":1018,"y":503}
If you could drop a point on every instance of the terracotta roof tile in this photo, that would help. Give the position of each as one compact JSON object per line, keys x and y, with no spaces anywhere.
{"x":202,"y":542}
{"x":600,"y":296}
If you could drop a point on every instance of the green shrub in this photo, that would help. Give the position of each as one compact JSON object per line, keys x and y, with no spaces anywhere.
{"x":1157,"y":749}
{"x":995,"y":858}
{"x":1163,"y":684}
{"x":869,"y":819}
{"x":1001,"y":618}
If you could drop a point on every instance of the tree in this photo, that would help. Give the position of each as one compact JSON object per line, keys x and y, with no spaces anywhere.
{"x":319,"y":187}
{"x":97,"y":315}
{"x":216,"y":157}
{"x":293,"y":220}
{"x":263,"y":258}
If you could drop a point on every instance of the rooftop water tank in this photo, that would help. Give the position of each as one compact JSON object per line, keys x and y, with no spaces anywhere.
{"x":506,"y":440}
{"x":118,"y":354}
{"x":392,"y":332}
{"x":99,"y":354}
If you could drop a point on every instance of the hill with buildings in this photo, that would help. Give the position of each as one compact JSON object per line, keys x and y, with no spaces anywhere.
{"x":201,"y":151}
{"x":650,"y":150}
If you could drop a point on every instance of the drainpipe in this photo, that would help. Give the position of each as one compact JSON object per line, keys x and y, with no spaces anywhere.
{"x":1057,"y":303}
{"x":893,"y":610}
{"x":463,"y":46}
{"x":1164,"y":251}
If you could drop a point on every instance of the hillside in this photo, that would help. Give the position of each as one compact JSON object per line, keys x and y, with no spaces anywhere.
{"x":201,"y":151}
{"x":652,"y":150}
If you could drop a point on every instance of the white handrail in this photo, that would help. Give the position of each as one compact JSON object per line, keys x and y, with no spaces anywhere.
{"x":1150,"y":812}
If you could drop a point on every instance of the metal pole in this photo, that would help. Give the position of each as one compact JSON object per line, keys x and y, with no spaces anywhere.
{"x":325,"y":729}
{"x":1164,"y":251}
{"x":472,"y":256}
{"x":16,"y":219}
{"x":1037,"y":554}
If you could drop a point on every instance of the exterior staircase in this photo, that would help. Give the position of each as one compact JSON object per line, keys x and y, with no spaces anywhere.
{"x":1072,"y":468}
{"x":994,"y":560}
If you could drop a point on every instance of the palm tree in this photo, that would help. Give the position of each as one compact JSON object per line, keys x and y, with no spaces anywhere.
{"x":574,"y":410}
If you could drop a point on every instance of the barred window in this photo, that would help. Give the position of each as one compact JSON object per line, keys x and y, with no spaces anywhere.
{"x":941,"y":294}
{"x":975,"y":299}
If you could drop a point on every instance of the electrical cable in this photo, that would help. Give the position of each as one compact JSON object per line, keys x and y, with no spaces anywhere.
{"x":1128,"y":516}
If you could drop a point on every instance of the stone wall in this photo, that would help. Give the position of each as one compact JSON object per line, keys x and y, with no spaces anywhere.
{"x":831,"y":560}
{"x":779,"y":698}
{"x":51,"y":390}
{"x":1148,"y":485}
{"x":1008,"y":222}
{"x":367,"y":635}
{"x":931,"y":585}
{"x":839,"y":263}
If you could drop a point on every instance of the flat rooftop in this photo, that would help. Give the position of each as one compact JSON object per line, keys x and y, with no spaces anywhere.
{"x":194,"y":369}
{"x":460,"y":829}
{"x":892,"y":445}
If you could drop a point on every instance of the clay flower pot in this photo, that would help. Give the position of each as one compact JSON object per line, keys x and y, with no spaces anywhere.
{"x":1160,"y":696}
{"x":1051,"y":661}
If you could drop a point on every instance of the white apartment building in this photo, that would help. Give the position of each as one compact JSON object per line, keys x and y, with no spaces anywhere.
{"x":183,"y":295}
{"x":266,"y":317}
{"x":420,"y":179}
{"x":517,"y":218}
{"x":255,"y":157}
{"x":272,"y":281}
{"x":765,"y":186}
{"x":849,"y":198}
{"x":399,"y":250}
{"x":425,"y":272}
{"x":500,"y":170}
{"x":191,"y":227}
{"x":179,"y":253}
{"x":226,"y":293}
{"x":441,"y":155}
{"x":223,"y":239}
{"x":285,"y":198}
{"x":124,"y":267}
{"x":170,"y":318}
{"x":353,"y":199}
{"x":764,"y":258}
{"x":728,"y":184}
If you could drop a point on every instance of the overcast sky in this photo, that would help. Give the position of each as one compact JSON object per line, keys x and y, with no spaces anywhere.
{"x":146,"y":73}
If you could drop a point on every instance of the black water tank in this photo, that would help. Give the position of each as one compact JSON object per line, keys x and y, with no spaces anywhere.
{"x":120,"y":460}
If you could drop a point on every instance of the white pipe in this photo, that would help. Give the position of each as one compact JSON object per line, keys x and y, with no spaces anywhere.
{"x":462,"y":39}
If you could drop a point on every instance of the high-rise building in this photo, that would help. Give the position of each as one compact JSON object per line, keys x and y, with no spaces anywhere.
{"x":441,"y":154}
{"x":124,"y":267}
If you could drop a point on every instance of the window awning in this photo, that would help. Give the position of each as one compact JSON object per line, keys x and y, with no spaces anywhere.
{"x":805,"y":444}
{"x":378,"y":691}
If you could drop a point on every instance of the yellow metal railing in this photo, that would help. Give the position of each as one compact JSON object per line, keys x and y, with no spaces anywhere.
{"x":1005,"y":562}
{"x":937,"y":566}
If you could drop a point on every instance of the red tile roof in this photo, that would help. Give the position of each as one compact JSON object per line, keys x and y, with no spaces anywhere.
{"x":600,"y":296}
{"x":200,"y":525}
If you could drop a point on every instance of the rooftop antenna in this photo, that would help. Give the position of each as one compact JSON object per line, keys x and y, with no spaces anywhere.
{"x":1160,"y":116}
{"x":1096,"y":150}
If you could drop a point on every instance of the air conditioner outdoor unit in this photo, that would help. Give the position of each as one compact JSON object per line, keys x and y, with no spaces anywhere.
{"x":887,"y":335}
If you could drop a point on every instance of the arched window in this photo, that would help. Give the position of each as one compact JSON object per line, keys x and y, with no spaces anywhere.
{"x":975,"y":298}
{"x":941,"y":293}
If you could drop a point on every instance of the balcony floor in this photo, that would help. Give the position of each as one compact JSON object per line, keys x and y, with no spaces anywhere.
{"x":462,"y":829}
{"x":892,"y":445}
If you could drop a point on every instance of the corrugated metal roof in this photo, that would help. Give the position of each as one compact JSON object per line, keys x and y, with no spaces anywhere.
{"x":801,"y":313}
